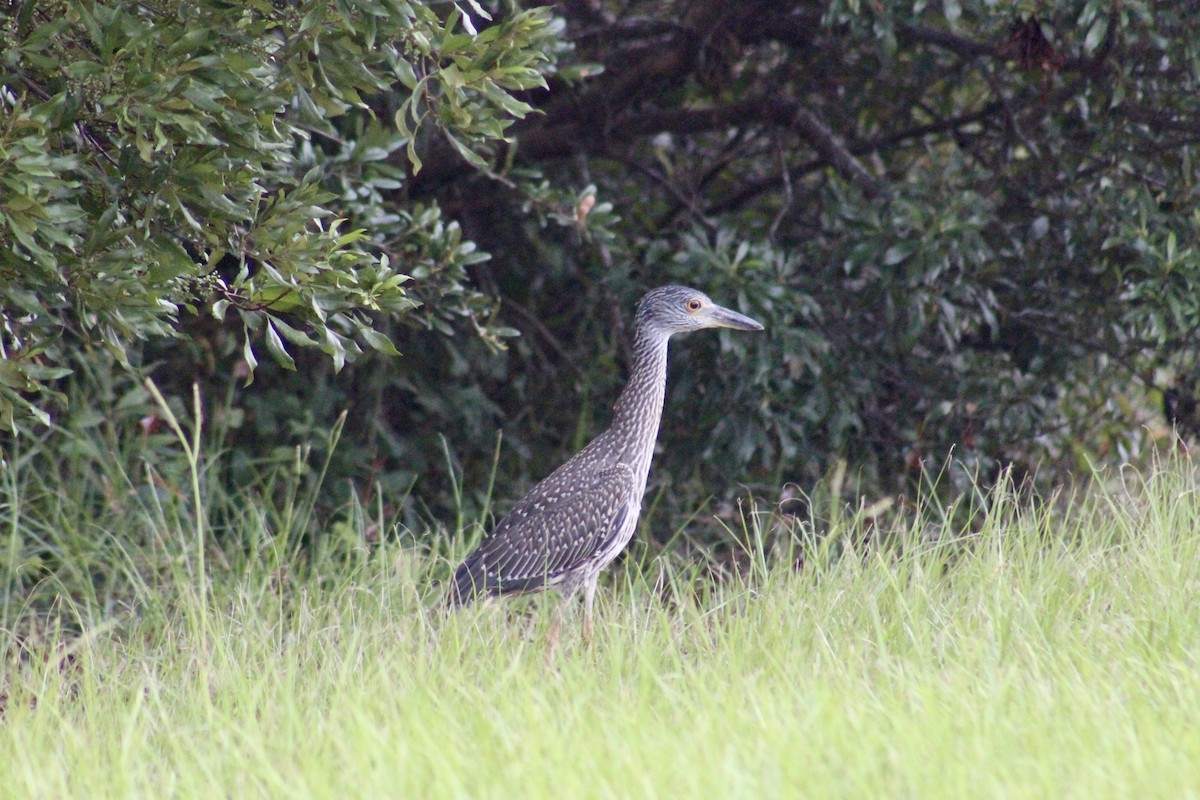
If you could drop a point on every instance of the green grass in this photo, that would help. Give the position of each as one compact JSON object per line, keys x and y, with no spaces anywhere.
{"x":1026,"y":650}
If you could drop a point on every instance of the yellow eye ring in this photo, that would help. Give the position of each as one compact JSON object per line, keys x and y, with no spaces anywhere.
{"x":692,"y":305}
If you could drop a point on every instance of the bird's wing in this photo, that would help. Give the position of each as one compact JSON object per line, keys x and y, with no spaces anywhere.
{"x":549,"y":532}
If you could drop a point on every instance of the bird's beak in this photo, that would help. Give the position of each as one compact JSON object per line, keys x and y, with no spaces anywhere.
{"x":724,"y":318}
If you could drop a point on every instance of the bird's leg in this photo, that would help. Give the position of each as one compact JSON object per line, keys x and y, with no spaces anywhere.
{"x":589,"y":599}
{"x":555,"y":631}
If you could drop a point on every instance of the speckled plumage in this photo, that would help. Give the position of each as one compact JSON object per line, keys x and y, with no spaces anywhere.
{"x":570,"y":526}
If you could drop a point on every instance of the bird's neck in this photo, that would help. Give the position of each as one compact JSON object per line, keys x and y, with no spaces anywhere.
{"x":639,"y":409}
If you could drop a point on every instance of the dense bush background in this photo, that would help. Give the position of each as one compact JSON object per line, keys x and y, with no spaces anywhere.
{"x":967,"y":226}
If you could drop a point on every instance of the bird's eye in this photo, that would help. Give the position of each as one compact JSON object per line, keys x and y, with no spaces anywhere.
{"x":692,"y":305}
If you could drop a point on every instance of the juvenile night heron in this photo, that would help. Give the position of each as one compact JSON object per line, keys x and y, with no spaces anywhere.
{"x":569,"y":527}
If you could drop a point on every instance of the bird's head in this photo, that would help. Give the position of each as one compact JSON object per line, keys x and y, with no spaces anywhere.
{"x":669,"y":310}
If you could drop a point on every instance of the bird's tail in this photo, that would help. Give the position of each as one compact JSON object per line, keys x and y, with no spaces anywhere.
{"x":467,"y":584}
{"x":471,"y":582}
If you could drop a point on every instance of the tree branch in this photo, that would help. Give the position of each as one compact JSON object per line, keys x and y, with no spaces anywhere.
{"x":820,"y":138}
{"x":925,"y":34}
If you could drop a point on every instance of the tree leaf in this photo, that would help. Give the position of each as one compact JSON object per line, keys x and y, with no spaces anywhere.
{"x":276,"y":349}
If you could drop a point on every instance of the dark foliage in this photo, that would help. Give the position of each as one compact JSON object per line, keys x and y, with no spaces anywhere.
{"x":967,"y":226}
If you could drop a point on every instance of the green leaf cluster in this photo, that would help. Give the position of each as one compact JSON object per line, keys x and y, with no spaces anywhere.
{"x":166,"y":160}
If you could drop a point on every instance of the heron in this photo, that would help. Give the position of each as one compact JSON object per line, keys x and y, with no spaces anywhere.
{"x":574,"y":523}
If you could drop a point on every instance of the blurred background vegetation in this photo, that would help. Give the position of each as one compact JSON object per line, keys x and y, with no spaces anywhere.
{"x":969,"y":227}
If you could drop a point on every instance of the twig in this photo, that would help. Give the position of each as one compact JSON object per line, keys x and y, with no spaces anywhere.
{"x":788,"y":195}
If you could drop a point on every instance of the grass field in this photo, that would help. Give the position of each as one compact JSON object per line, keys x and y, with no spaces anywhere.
{"x":1028,"y":649}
